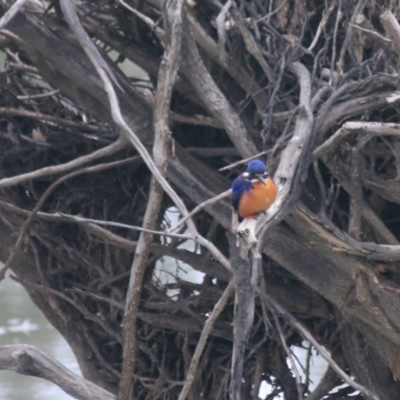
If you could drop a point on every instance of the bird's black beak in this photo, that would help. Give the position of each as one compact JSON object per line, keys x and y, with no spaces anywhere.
{"x":261,"y":179}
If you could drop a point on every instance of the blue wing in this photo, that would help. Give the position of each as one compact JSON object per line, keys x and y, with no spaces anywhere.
{"x":239,"y":186}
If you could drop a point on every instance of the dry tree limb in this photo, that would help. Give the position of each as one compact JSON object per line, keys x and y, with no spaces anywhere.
{"x":70,"y":16}
{"x":29,"y":360}
{"x":291,"y":165}
{"x":392,"y":29}
{"x":244,"y":161}
{"x":62,"y":168}
{"x":47,"y":119}
{"x":218,"y":308}
{"x":232,"y":66}
{"x":246,"y":276}
{"x":40,"y":203}
{"x":194,"y":70}
{"x":251,"y":45}
{"x":128,"y":134}
{"x":307,"y":336}
{"x":349,"y":31}
{"x":322,"y":24}
{"x":342,"y":242}
{"x":11,"y":12}
{"x":200,"y":207}
{"x":329,"y":381}
{"x":356,"y":106}
{"x":372,"y":128}
{"x":220,"y":21}
{"x":154,"y":27}
{"x":372,"y":32}
{"x":172,"y":16}
{"x":289,"y":356}
{"x":41,"y":96}
{"x":356,"y":206}
{"x":84,"y":221}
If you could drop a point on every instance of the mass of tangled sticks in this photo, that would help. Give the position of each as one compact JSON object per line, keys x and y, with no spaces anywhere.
{"x":93,"y":156}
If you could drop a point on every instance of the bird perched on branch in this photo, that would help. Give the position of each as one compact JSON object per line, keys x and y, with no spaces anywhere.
{"x":253,"y":191}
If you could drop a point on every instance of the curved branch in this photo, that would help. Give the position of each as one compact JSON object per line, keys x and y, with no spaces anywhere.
{"x":374,"y":128}
{"x":288,"y":174}
{"x":40,"y":203}
{"x":212,"y":97}
{"x":232,"y":65}
{"x":133,"y":138}
{"x":70,"y":16}
{"x":29,"y":360}
{"x":324,"y":353}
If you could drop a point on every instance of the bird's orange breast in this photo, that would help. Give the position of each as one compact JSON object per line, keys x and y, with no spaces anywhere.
{"x":257,"y":199}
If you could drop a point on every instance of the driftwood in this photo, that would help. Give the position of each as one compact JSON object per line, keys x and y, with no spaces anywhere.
{"x":92,"y":157}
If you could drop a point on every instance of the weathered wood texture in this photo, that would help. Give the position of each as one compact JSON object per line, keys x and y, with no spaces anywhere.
{"x":313,"y":84}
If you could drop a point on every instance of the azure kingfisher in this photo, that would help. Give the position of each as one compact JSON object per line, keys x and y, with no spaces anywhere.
{"x":253,"y":191}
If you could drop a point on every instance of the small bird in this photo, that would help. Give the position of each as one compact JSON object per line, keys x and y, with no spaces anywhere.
{"x":253,"y":191}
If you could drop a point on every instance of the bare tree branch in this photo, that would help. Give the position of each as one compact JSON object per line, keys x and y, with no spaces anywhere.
{"x":232,"y":65}
{"x":172,"y":16}
{"x":195,"y":71}
{"x":373,"y":128}
{"x":288,"y":174}
{"x":307,"y":335}
{"x":37,"y":207}
{"x":9,"y":15}
{"x":29,"y":360}
{"x":251,"y":44}
{"x":62,"y":168}
{"x":392,"y":29}
{"x":218,"y":308}
{"x":68,"y":9}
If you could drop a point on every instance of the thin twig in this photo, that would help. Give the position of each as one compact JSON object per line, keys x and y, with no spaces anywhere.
{"x":132,"y":137}
{"x":244,"y":161}
{"x":200,"y":207}
{"x":39,"y":204}
{"x":153,"y":26}
{"x":251,"y":44}
{"x":321,"y":25}
{"x":38,"y":96}
{"x":193,"y":68}
{"x":81,"y":220}
{"x":220,"y":21}
{"x":349,"y":32}
{"x":205,"y":333}
{"x":62,"y":168}
{"x":324,"y":353}
{"x":47,"y":119}
{"x":289,"y":356}
{"x":371,"y":32}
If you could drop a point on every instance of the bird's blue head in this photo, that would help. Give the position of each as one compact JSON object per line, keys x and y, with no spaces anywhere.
{"x":256,"y":167}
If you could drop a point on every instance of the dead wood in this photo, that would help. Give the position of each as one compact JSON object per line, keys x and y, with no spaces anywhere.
{"x":312,"y":86}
